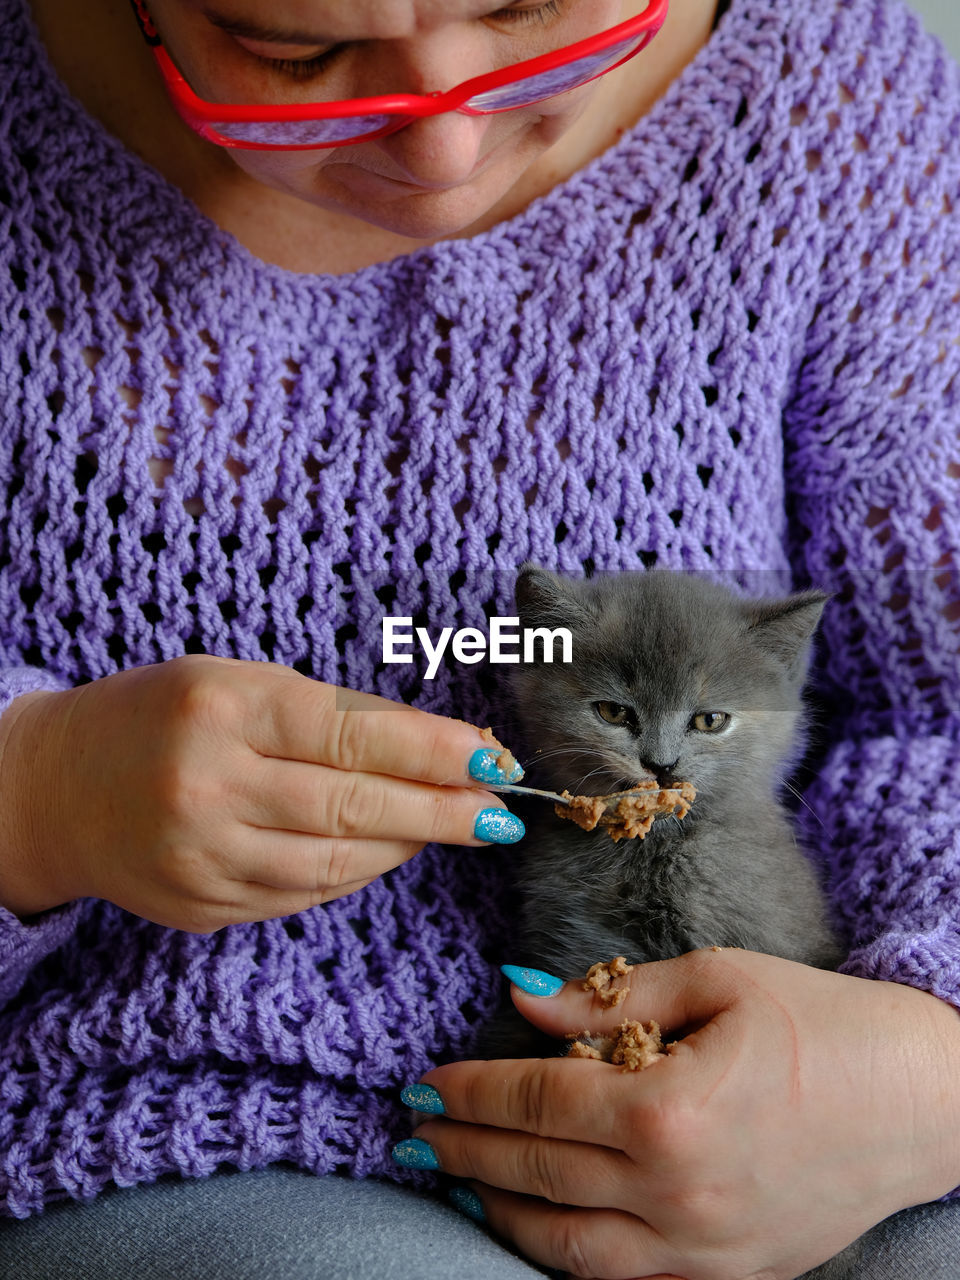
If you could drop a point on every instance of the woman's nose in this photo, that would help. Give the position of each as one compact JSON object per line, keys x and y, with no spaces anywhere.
{"x":438,"y":151}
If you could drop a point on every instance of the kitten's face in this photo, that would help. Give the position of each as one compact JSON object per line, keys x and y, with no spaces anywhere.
{"x":672,"y":677}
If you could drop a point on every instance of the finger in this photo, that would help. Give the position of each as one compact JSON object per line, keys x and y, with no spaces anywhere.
{"x":267,"y":903}
{"x":304,"y":720}
{"x":717,"y":1007}
{"x":688,"y":990}
{"x":250,"y":902}
{"x":605,"y":1243}
{"x":575,"y":1099}
{"x":315,"y":799}
{"x":574,"y":1173}
{"x":324,"y":867}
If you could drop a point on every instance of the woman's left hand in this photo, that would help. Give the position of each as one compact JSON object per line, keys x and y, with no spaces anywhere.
{"x":800,"y":1108}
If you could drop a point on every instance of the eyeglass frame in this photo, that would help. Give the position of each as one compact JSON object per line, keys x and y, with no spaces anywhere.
{"x":200,"y":115}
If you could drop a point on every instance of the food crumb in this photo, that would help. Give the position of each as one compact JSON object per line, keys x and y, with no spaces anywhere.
{"x":638,"y":1046}
{"x":601,"y":978}
{"x":506,"y":760}
{"x":634,"y":1047}
{"x":581,"y":1049}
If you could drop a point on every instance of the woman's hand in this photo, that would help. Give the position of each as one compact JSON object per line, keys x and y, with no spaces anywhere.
{"x":801,"y":1108}
{"x":205,"y":791}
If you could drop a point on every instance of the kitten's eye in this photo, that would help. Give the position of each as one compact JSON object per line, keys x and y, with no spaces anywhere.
{"x":710,"y":721}
{"x":614,"y":712}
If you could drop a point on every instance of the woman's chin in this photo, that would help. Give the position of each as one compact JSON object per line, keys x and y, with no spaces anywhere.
{"x":424,"y":221}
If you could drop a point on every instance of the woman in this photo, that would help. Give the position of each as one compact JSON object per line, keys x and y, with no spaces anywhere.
{"x":697,"y":311}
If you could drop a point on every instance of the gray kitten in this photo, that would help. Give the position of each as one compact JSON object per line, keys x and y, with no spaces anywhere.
{"x":674,"y":677}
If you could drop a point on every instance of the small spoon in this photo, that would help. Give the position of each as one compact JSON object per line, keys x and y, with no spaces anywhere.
{"x":610,"y":801}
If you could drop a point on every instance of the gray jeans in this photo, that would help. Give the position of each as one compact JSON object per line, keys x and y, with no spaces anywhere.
{"x":282,"y":1224}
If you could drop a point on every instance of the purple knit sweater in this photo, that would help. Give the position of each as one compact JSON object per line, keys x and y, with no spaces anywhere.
{"x":729,"y":343}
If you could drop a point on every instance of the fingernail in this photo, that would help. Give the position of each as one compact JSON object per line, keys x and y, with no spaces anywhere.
{"x":468,"y":1202}
{"x":484,"y":766}
{"x":498,"y":826}
{"x":533,"y":981}
{"x":414,"y":1153}
{"x":423,"y":1097}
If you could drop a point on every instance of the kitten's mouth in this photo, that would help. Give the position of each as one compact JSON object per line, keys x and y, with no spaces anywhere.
{"x":665,"y":777}
{"x":642,"y":778}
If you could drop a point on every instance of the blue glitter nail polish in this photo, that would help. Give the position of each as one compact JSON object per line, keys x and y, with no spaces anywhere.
{"x":533,"y":981}
{"x":468,"y":1202}
{"x":423,"y":1097}
{"x":499,"y":826}
{"x":484,"y":766}
{"x":414,"y":1153}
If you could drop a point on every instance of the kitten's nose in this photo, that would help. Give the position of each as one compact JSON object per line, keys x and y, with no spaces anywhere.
{"x":662,"y":772}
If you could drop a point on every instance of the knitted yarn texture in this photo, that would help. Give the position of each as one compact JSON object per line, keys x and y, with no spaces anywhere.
{"x":729,"y":343}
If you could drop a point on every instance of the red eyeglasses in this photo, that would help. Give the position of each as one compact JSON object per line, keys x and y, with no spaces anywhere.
{"x":303,"y":126}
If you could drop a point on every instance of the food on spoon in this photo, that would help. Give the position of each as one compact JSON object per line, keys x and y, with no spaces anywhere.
{"x":632,"y":816}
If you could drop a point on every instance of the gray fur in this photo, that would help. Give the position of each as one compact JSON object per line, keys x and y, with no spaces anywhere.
{"x":668,"y":645}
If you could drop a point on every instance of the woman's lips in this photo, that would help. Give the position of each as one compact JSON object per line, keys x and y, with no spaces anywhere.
{"x":362,"y":179}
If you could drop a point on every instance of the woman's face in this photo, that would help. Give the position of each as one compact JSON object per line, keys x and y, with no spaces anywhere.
{"x":432,"y":178}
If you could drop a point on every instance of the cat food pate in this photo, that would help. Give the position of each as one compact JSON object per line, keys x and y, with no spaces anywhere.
{"x":634,"y":1046}
{"x":602,"y":978}
{"x":633,"y":815}
{"x":506,"y":760}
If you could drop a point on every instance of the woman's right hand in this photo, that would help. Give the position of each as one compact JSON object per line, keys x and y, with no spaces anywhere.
{"x":204,"y":791}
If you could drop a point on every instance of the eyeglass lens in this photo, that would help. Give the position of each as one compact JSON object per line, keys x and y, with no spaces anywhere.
{"x":301,"y":133}
{"x":516,"y":93}
{"x":521,"y":93}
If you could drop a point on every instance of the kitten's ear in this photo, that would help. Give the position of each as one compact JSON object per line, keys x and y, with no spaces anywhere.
{"x":545,"y":598}
{"x":784,"y":627}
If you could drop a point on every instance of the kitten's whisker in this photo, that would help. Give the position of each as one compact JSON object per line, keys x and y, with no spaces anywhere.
{"x":584,"y":756}
{"x":564,"y":751}
{"x":809,"y":808}
{"x":591,"y":773}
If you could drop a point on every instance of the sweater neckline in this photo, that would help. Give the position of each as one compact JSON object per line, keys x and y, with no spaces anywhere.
{"x":675,"y":123}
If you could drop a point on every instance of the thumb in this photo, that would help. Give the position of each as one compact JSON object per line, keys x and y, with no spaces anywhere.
{"x":684,"y":992}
